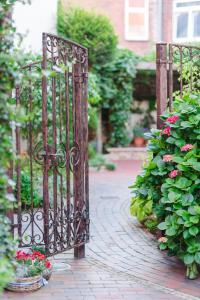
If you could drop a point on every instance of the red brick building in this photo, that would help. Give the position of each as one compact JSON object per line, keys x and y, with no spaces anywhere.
{"x":141,"y":23}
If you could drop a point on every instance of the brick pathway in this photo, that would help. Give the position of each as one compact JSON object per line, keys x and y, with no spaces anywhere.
{"x":122,"y":261}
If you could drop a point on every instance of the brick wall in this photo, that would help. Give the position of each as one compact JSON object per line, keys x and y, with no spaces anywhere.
{"x":167,"y":20}
{"x":115,"y":10}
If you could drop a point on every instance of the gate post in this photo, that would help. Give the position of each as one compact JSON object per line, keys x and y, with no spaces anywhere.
{"x":161,"y":81}
{"x":79,"y":251}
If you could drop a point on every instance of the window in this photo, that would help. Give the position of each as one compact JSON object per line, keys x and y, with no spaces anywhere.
{"x":186,"y":20}
{"x":136,"y":20}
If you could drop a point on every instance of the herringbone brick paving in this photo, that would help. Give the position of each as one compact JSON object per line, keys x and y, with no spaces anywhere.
{"x":122,"y":260}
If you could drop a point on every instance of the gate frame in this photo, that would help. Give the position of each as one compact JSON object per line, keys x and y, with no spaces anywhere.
{"x":76,"y":224}
{"x":161,"y":81}
{"x":165,"y":66}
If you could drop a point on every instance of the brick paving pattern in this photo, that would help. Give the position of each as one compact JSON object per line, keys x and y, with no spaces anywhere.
{"x":122,"y":260}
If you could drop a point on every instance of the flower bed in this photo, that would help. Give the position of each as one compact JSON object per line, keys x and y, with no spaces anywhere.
{"x":168,"y":189}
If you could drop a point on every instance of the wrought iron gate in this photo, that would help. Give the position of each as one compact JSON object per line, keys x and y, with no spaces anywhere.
{"x":172,"y":61}
{"x":52,"y":173}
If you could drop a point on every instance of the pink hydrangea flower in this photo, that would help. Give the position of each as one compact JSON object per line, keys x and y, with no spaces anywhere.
{"x":187,"y":147}
{"x":167,"y":157}
{"x":172,"y":119}
{"x":167,"y":130}
{"x":173,"y":173}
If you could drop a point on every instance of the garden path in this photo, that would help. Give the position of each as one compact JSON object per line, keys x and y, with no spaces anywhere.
{"x":122,"y":260}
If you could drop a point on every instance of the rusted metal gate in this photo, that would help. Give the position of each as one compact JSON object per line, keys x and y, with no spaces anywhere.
{"x":172,"y":61}
{"x":52,"y":173}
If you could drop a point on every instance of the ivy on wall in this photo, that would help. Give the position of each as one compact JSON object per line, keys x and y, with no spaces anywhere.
{"x":116,"y":83}
{"x":8,"y":74}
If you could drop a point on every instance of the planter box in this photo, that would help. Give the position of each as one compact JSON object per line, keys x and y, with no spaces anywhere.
{"x":127,"y":153}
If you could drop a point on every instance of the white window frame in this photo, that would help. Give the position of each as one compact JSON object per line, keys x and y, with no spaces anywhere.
{"x":190,"y":29}
{"x":145,"y":11}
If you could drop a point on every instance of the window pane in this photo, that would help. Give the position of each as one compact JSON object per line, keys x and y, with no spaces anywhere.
{"x":185,"y":4}
{"x":136,"y":3}
{"x":196,"y":16}
{"x":136,"y":24}
{"x":182,"y":25}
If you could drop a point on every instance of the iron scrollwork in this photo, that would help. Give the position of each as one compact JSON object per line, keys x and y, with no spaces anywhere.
{"x":56,"y":159}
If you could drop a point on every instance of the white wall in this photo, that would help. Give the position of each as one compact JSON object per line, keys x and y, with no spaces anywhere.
{"x":33,"y":19}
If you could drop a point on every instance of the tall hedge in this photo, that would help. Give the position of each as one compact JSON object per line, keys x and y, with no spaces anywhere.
{"x":7,"y":80}
{"x":93,"y":31}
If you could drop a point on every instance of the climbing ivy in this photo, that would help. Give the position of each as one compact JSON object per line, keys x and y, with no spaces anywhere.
{"x":116,"y":83}
{"x":8,"y":75}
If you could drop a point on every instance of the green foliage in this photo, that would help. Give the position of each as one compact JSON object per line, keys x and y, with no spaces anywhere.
{"x":115,"y":68}
{"x":95,"y":32}
{"x":116,"y":83}
{"x":140,"y":132}
{"x":172,"y":182}
{"x":110,"y":166}
{"x":8,"y":76}
{"x":99,"y":161}
{"x":26,"y":191}
{"x":94,"y":99}
{"x":151,"y":224}
{"x":141,"y":208}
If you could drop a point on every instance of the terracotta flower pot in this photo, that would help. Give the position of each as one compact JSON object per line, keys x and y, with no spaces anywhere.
{"x":139,"y":141}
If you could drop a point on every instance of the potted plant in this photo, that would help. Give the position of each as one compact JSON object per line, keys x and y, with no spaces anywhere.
{"x":139,"y":138}
{"x":32,"y":269}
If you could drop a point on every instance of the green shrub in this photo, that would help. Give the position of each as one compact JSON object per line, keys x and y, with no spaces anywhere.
{"x":116,"y":83}
{"x":95,"y":32}
{"x":171,"y":180}
{"x":94,"y":99}
{"x":99,"y":161}
{"x":26,"y":191}
{"x":91,"y":151}
{"x":151,"y":224}
{"x":110,"y":166}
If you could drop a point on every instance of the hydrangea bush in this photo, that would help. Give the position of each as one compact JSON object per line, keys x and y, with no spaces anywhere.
{"x":169,"y":185}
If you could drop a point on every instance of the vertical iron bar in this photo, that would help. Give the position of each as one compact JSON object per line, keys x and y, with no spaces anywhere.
{"x":30,"y":156}
{"x":85,"y":138}
{"x":53,"y":86}
{"x":161,"y":80}
{"x":79,"y":251}
{"x":60,"y":140}
{"x":45,"y":145}
{"x":10,"y":213}
{"x":181,"y":71}
{"x":18,"y":170}
{"x":67,"y":128}
{"x":191,"y":68}
{"x":170,"y":76}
